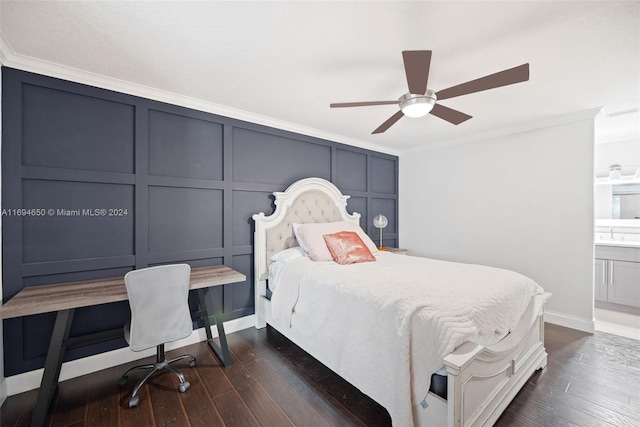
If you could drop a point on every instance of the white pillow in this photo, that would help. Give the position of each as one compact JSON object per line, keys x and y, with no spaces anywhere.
{"x":311,"y":240}
{"x":289,"y":254}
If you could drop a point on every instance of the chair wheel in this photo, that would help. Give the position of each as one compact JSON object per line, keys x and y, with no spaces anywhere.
{"x":133,"y":402}
{"x":184,"y":387}
{"x":192,"y":364}
{"x":123,"y":381}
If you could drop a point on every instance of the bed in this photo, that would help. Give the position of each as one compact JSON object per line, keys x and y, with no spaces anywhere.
{"x":389,"y":324}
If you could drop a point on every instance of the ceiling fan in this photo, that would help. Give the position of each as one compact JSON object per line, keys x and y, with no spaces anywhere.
{"x":420,"y":101}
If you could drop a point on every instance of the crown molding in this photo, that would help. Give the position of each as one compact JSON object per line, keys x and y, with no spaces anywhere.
{"x":540,"y":124}
{"x":4,"y":47}
{"x":10,"y":58}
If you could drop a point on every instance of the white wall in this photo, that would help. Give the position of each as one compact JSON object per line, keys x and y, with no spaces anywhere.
{"x":522,"y":201}
{"x":625,"y":151}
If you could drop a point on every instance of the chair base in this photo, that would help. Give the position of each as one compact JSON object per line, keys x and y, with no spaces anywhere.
{"x":160,"y":364}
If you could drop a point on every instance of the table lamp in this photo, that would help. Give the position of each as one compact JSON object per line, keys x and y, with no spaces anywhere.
{"x":380,"y":221}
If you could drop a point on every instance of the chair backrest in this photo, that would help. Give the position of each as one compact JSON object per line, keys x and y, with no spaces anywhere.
{"x":158,"y":297}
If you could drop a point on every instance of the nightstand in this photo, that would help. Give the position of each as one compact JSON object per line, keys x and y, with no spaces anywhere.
{"x":398,"y":251}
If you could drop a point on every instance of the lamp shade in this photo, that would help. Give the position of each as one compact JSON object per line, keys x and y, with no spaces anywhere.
{"x":380,"y":221}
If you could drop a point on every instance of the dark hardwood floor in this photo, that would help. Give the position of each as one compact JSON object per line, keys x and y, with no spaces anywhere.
{"x":590,"y":380}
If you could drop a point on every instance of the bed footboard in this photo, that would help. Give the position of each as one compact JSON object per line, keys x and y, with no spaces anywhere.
{"x":482,"y":381}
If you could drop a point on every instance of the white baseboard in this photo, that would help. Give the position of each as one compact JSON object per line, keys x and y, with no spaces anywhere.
{"x":26,"y":381}
{"x":3,"y":391}
{"x":579,"y":323}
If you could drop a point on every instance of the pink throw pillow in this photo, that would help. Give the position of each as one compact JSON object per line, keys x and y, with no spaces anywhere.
{"x":346,"y":247}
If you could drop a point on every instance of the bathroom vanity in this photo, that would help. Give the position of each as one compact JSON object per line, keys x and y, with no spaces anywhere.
{"x":617,"y":272}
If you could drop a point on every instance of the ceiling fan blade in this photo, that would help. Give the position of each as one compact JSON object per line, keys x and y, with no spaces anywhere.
{"x":449,"y":114}
{"x":390,"y":121}
{"x":361,"y":104}
{"x":416,"y":67}
{"x":503,"y":78}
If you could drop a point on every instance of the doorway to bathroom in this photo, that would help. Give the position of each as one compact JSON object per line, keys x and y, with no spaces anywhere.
{"x":617,"y":224}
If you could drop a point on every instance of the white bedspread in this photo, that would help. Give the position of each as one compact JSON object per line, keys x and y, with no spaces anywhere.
{"x":385,"y":326}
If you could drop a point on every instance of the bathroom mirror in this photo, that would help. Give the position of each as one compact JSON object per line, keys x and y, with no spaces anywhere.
{"x":625,"y":201}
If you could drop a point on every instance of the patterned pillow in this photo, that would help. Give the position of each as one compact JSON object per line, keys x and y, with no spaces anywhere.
{"x":346,"y":247}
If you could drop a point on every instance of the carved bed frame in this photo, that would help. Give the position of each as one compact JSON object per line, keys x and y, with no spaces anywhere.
{"x":481,"y":381}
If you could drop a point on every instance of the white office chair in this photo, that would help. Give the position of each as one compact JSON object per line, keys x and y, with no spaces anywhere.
{"x":158,"y":297}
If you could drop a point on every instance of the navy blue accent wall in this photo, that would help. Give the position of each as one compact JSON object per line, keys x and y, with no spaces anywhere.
{"x":173,"y":184}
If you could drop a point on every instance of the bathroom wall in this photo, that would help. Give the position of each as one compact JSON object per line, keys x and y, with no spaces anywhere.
{"x":619,"y":145}
{"x":625,"y":152}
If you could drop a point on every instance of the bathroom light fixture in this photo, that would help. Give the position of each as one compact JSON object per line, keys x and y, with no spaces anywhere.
{"x":614,"y":172}
{"x":417,"y":105}
{"x":380,"y":221}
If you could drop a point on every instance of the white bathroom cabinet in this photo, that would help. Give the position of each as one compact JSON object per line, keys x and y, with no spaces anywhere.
{"x":617,"y":275}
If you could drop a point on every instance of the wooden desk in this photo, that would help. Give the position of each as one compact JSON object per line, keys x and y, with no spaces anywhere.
{"x":64,"y":298}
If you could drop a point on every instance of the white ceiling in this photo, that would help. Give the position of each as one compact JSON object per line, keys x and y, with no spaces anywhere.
{"x":288,"y":60}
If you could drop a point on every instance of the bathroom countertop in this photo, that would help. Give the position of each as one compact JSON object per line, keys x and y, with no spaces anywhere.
{"x":619,"y":243}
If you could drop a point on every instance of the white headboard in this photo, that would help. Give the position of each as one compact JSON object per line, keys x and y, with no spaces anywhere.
{"x":308,"y":200}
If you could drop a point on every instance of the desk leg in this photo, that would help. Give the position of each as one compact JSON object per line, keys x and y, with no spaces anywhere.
{"x":52,"y":366}
{"x":222,"y":350}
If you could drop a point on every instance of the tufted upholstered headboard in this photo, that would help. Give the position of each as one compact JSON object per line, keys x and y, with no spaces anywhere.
{"x":308,"y":200}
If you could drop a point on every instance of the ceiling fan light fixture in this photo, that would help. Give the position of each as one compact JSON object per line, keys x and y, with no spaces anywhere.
{"x":417,"y":105}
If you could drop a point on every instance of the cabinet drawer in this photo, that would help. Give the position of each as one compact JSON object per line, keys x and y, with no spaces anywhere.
{"x":617,"y":253}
